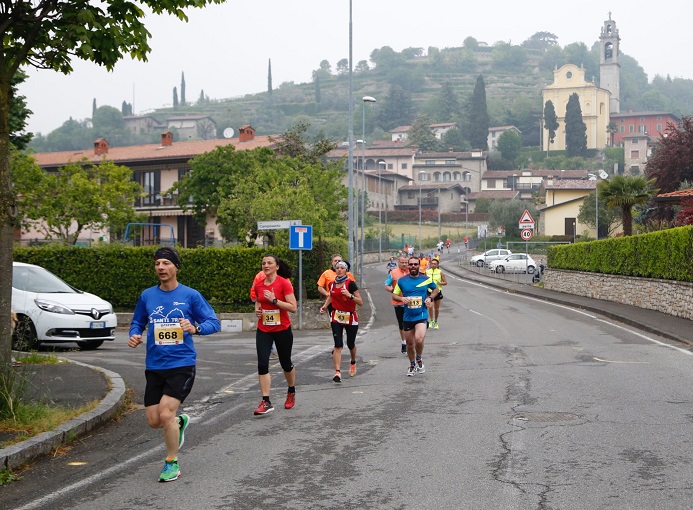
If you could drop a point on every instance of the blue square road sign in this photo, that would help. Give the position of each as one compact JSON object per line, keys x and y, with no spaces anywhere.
{"x":301,"y":237}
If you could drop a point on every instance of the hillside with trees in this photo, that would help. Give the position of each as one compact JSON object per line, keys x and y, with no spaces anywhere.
{"x":438,"y":83}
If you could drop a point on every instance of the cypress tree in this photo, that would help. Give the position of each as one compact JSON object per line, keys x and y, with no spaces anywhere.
{"x":269,"y":77}
{"x":575,"y":128}
{"x":175,"y":98}
{"x":93,"y":108}
{"x":478,"y":116}
{"x":550,"y":122}
{"x":182,"y":88}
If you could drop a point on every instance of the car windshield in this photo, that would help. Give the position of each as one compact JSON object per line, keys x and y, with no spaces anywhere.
{"x":37,"y":279}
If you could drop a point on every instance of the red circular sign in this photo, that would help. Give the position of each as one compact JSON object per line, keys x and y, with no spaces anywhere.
{"x":526,"y":234}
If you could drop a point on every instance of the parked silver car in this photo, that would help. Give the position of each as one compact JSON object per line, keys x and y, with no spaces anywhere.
{"x":489,"y":256}
{"x":515,"y":263}
{"x":50,"y":310}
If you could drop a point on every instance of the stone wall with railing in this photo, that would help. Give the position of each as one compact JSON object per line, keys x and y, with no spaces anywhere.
{"x":667,"y":296}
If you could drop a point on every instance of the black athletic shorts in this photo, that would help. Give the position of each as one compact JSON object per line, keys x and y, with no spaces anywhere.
{"x":408,"y":326}
{"x":438,"y":296}
{"x":174,"y":382}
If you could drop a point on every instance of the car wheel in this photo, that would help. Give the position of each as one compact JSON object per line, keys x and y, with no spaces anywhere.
{"x":24,"y":337}
{"x":479,"y":263}
{"x":530,"y":269}
{"x":90,"y":346}
{"x":500,"y":269}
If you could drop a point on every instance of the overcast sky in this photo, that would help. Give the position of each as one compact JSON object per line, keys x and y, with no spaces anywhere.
{"x":224,"y":49}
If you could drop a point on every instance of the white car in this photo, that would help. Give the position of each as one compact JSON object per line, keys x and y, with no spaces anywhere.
{"x":489,"y":256}
{"x":50,"y":310}
{"x":515,"y":263}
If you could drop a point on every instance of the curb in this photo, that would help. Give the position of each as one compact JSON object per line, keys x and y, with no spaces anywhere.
{"x":42,"y":444}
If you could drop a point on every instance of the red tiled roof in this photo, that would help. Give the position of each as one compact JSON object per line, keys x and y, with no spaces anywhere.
{"x":400,"y":129}
{"x":152,"y":152}
{"x":682,"y":193}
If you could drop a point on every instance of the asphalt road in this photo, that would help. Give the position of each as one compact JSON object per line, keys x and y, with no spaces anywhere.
{"x":524,"y":405}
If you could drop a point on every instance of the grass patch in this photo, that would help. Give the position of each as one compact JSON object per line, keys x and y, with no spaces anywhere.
{"x":35,"y":358}
{"x":33,"y":419}
{"x":7,"y":476}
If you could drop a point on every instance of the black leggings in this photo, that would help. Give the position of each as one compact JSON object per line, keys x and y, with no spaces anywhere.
{"x":338,"y":335}
{"x":283,"y":341}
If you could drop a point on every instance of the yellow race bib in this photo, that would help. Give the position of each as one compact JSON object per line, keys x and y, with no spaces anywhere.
{"x":342,"y":317}
{"x":271,"y":318}
{"x":415,"y":302}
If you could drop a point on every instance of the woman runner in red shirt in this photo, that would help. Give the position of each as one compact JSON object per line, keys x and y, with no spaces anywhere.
{"x":275,"y":299}
{"x":344,"y":297}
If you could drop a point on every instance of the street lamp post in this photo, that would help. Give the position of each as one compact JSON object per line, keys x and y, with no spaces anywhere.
{"x":420,"y":236}
{"x":365,"y":99}
{"x":350,"y":159}
{"x":514,"y":175}
{"x":381,"y":167}
{"x":438,"y":214}
{"x":574,"y":229}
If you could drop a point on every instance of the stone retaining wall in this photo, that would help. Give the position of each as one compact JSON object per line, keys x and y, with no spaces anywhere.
{"x":667,"y":296}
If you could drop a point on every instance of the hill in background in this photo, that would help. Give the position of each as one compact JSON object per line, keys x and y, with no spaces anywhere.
{"x":433,"y":81}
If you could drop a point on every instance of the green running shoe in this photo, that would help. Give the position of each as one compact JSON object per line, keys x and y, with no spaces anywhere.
{"x":183,"y":421}
{"x":170,"y":472}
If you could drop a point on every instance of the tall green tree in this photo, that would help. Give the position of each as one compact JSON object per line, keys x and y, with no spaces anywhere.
{"x":48,"y":34}
{"x":421,"y":136}
{"x":575,"y":128}
{"x":478,"y":116}
{"x":18,"y":114}
{"x":623,"y":193}
{"x":509,"y":145}
{"x":550,"y":122}
{"x":448,"y":104}
{"x":77,"y":197}
{"x":396,"y":108}
{"x":672,"y":162}
{"x":175,"y":98}
{"x":182,"y":89}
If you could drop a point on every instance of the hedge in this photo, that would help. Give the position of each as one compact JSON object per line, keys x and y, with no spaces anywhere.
{"x":119,"y":273}
{"x":665,"y":254}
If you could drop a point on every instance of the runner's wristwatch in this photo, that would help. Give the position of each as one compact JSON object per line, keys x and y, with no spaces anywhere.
{"x":198,"y":329}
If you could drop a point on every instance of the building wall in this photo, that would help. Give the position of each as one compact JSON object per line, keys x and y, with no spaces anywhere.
{"x":594,"y":103}
{"x":653,"y":124}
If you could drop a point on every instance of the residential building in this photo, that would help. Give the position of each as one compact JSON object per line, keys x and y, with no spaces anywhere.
{"x":495,"y":132}
{"x":142,"y":124}
{"x":400,"y":133}
{"x":652,"y":124}
{"x":465,"y":168}
{"x":636,"y":149}
{"x":563,"y":200}
{"x":440,"y":129}
{"x":443,"y":196}
{"x":157,"y":167}
{"x":193,"y":127}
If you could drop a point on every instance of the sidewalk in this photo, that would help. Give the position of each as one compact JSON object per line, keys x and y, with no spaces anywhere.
{"x":70,"y":384}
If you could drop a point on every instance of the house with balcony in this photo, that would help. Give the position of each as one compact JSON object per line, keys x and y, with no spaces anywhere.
{"x":563,"y":199}
{"x":157,"y":167}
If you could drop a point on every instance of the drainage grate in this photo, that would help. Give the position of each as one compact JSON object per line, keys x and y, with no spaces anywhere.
{"x":551,"y":417}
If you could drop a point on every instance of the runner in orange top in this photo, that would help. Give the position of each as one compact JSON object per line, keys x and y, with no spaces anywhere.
{"x":328,"y":276}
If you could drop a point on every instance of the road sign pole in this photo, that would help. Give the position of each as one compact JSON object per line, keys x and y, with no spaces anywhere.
{"x":300,"y":289}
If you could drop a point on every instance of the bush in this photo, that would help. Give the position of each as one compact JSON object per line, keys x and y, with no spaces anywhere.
{"x":664,"y":254}
{"x":119,"y":273}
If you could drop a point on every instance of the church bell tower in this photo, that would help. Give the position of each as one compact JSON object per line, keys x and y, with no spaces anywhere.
{"x":609,"y":68}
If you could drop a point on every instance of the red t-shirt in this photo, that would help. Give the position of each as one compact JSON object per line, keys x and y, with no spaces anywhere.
{"x":343,"y":308}
{"x":273,"y":318}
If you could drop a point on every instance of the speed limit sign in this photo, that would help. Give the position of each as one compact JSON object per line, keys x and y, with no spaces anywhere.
{"x":526,"y":234}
